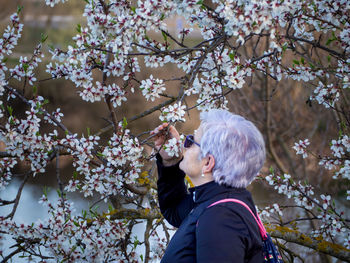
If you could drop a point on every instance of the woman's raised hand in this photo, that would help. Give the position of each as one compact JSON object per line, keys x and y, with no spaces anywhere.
{"x":163,"y":133}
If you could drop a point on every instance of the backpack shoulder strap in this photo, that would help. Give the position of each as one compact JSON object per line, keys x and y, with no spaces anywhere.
{"x":256,"y":216}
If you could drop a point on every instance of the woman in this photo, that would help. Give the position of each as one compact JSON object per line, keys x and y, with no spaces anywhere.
{"x":221,"y":159}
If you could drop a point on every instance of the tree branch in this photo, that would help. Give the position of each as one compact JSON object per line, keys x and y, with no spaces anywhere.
{"x":18,"y":197}
{"x":318,"y":244}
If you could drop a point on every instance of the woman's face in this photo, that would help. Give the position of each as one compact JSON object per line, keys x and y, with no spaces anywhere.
{"x":190,"y":163}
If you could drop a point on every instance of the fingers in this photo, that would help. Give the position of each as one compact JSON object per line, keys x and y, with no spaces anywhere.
{"x":160,"y":128}
{"x":174,"y":133}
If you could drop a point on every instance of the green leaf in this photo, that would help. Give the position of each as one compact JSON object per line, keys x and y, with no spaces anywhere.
{"x":136,"y":242}
{"x":78,"y":28}
{"x":329,"y":40}
{"x":43,"y":37}
{"x":296,"y":62}
{"x":284,"y":47}
{"x":35,"y":90}
{"x":232,"y":56}
{"x":302,"y":61}
{"x":10,"y":110}
{"x":46,"y":190}
{"x":75,"y":175}
{"x":100,"y":154}
{"x":164,"y":36}
{"x":51,"y":46}
{"x":329,"y":58}
{"x":88,"y":131}
{"x":133,"y":9}
{"x":272,"y":171}
{"x":125,"y":123}
{"x":12,"y":122}
{"x":19,"y":9}
{"x":25,"y":67}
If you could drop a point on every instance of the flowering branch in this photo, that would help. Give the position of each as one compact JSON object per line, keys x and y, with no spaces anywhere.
{"x":321,"y":245}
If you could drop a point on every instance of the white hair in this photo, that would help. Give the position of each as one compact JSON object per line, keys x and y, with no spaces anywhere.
{"x":236,"y":144}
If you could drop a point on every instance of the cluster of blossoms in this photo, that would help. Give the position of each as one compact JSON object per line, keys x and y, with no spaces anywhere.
{"x":81,"y":150}
{"x":109,"y":36}
{"x":304,"y":73}
{"x":340,"y":149}
{"x":326,"y":95}
{"x":26,"y":66}
{"x":269,"y":210}
{"x":6,"y":165}
{"x":331,"y":225}
{"x":52,"y":3}
{"x":173,"y":146}
{"x":9,"y":40}
{"x":122,"y":156}
{"x":151,"y":88}
{"x":23,"y":140}
{"x":66,"y":236}
{"x":299,"y":192}
{"x":173,"y":113}
{"x":210,"y":86}
{"x":7,"y":43}
{"x":115,"y":93}
{"x":154,"y":60}
{"x":158,"y":246}
{"x":300,"y":147}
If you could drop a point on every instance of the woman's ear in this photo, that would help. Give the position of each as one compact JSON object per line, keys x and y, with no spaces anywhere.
{"x":209,"y":163}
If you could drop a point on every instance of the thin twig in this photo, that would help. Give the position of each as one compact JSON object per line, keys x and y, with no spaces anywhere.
{"x":18,"y":197}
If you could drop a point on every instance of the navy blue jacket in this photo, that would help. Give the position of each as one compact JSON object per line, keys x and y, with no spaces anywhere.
{"x":223,"y":233}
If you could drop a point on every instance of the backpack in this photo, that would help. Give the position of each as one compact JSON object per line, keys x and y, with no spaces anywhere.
{"x":270,"y":252}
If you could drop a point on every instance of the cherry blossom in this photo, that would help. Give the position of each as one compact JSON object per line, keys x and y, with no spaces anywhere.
{"x":173,"y":113}
{"x":300,"y":147}
{"x":173,"y":146}
{"x":151,"y":88}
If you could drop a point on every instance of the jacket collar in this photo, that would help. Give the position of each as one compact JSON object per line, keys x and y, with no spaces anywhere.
{"x":209,"y":190}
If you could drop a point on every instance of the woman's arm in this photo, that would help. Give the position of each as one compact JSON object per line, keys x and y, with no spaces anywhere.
{"x":174,"y":201}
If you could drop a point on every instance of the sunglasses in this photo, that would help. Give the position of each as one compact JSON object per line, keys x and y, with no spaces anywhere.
{"x":189,"y":141}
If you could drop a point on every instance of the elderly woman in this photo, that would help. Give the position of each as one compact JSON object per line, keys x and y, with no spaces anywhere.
{"x":221,"y":159}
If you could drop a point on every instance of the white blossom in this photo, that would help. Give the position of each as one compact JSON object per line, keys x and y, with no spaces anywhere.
{"x":151,"y":88}
{"x":300,"y":147}
{"x":173,"y":113}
